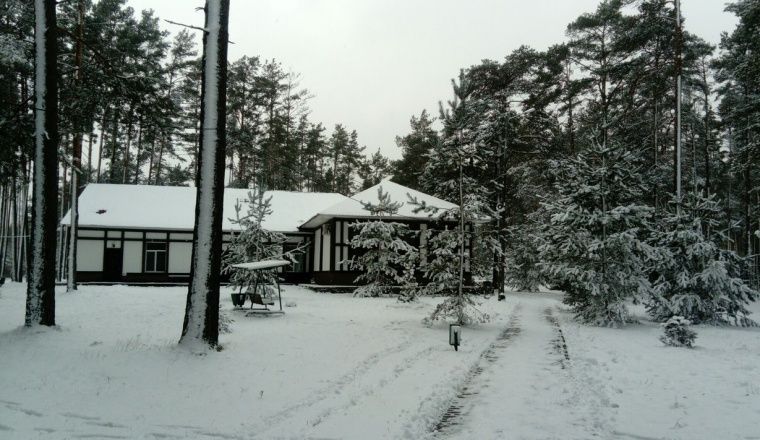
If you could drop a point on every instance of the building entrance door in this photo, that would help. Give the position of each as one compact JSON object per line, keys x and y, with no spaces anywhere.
{"x":113,"y":261}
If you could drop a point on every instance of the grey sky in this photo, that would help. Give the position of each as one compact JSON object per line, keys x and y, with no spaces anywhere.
{"x":371,"y":64}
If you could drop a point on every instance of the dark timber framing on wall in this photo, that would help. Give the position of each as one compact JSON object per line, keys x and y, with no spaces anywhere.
{"x":321,"y":265}
{"x":331,"y":272}
{"x":118,"y":237}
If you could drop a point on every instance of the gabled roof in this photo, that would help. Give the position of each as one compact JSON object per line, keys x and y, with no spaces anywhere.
{"x":173,"y":207}
{"x":353,"y":208}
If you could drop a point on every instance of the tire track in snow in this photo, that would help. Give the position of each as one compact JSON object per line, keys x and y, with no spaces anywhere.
{"x":558,"y":343}
{"x":459,"y":405}
{"x":335,"y":387}
{"x":369,"y":390}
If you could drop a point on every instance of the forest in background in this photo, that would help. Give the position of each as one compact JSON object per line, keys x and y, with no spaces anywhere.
{"x":567,"y":139}
{"x":519,"y":130}
{"x":129,"y":113}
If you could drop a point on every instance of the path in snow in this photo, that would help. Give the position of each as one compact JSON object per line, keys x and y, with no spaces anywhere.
{"x":460,"y":405}
{"x":528,"y":367}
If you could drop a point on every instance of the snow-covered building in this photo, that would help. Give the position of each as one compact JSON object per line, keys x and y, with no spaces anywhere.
{"x":143,"y":234}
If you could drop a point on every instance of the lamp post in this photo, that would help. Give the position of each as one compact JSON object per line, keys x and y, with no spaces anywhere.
{"x":454,"y":335}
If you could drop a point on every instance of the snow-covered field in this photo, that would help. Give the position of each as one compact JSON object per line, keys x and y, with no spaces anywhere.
{"x":341,"y":367}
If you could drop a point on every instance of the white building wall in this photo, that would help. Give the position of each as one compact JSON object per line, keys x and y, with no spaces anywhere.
{"x":180,"y":255}
{"x":89,"y":255}
{"x":326,"y":246}
{"x":317,"y":249}
{"x":132,"y":257}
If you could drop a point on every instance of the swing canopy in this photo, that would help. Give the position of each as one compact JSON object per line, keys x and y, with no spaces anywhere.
{"x":260,"y":290}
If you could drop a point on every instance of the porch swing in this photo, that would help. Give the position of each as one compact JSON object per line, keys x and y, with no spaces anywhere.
{"x":261,"y":289}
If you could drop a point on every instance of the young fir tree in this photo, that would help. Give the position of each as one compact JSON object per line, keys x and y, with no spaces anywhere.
{"x":694,"y":277}
{"x":252,"y":242}
{"x":523,"y":272}
{"x":592,"y":243}
{"x":453,"y":172}
{"x":386,"y":258}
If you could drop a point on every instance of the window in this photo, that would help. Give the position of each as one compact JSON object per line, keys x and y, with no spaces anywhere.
{"x":296,"y":257}
{"x":155,"y":256}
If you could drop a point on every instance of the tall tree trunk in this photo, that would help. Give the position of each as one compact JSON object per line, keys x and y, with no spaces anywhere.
{"x":152,"y":157}
{"x":76,"y":167}
{"x":102,"y":139}
{"x":4,"y":226}
{"x":89,"y":157}
{"x":40,"y":293}
{"x":114,"y":140}
{"x":137,"y":155}
{"x":61,"y":233}
{"x":679,"y":73}
{"x":160,"y":161}
{"x":201,"y":324}
{"x":23,"y":239}
{"x":125,"y":163}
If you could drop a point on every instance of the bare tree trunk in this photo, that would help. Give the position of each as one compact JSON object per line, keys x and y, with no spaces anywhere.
{"x":114,"y":140}
{"x":152,"y":156}
{"x":4,"y":227}
{"x":137,"y":155}
{"x":40,"y":297}
{"x":102,"y":139}
{"x":201,"y":324}
{"x":160,"y":160}
{"x":76,"y":163}
{"x":125,"y":163}
{"x":60,"y":265}
{"x":89,"y":157}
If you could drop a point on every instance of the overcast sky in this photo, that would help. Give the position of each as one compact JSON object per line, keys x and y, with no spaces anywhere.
{"x":372,"y":64}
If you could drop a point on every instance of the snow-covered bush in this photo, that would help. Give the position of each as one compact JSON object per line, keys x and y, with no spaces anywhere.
{"x":441,"y":274}
{"x":384,"y":253}
{"x":385,"y":256}
{"x":592,"y":243}
{"x":251,"y":242}
{"x":678,"y":333}
{"x":694,"y":277}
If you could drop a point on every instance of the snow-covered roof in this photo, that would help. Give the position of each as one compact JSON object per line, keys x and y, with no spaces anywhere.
{"x":353,"y":208}
{"x":173,"y":207}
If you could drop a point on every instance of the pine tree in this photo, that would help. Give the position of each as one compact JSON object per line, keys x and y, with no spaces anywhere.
{"x":694,"y":278}
{"x":415,"y":147}
{"x":452,"y":173}
{"x":523,"y":271}
{"x":374,"y":169}
{"x":385,"y":255}
{"x":252,"y":242}
{"x":593,"y":244}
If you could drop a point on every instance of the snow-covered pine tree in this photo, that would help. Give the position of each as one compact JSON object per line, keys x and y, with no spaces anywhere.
{"x":441,"y":274}
{"x":694,"y":278}
{"x":201,"y":324}
{"x":522,"y":271}
{"x":252,"y":242}
{"x":452,"y":173}
{"x":40,"y":292}
{"x":593,"y":242}
{"x":385,"y":256}
{"x":677,"y":332}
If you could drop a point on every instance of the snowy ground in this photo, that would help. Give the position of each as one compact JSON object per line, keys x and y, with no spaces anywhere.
{"x":341,"y":367}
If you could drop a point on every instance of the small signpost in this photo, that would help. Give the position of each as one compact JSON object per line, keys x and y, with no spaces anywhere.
{"x":454,"y":335}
